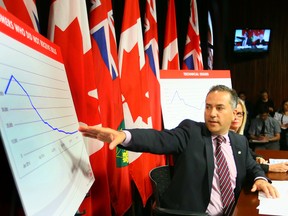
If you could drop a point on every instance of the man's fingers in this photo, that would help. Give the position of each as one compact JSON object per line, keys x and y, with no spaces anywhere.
{"x":270,"y":191}
{"x":254,"y":188}
{"x":112,"y":145}
{"x":118,"y":140}
{"x":273,"y":192}
{"x":103,"y":134}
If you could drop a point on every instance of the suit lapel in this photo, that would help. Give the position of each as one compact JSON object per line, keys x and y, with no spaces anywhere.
{"x":210,"y":157}
{"x":237,"y":148}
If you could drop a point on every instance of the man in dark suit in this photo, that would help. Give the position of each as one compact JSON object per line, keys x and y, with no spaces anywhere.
{"x":195,"y":184}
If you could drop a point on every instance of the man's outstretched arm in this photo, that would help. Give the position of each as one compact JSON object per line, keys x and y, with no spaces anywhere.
{"x":107,"y":135}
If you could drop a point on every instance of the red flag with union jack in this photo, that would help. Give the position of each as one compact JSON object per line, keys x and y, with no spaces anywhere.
{"x":210,"y":42}
{"x":135,"y":93}
{"x":152,"y":62}
{"x":192,"y":53}
{"x":25,"y":10}
{"x":111,"y":110}
{"x":170,"y":58}
{"x":152,"y":69}
{"x":68,"y":27}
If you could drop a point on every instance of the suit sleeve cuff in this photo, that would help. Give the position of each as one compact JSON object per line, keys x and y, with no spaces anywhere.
{"x":127,"y":141}
{"x":266,"y":179}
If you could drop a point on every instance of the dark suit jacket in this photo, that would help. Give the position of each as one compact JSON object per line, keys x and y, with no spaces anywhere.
{"x":265,"y":167}
{"x":191,"y":145}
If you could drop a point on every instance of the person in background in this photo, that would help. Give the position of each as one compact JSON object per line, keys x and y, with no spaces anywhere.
{"x":260,"y":40}
{"x":248,"y":104}
{"x":265,"y":100}
{"x":282,"y":117}
{"x":193,"y":145}
{"x":238,"y":125}
{"x":246,"y":40}
{"x":249,"y":113}
{"x":265,"y":131}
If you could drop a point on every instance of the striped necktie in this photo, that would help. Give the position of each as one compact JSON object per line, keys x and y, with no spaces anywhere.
{"x":227,"y":194}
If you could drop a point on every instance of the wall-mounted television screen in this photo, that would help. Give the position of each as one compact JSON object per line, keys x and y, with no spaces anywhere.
{"x":251,"y":40}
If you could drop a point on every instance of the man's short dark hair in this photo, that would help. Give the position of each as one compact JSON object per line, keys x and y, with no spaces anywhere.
{"x":263,"y":109}
{"x":232,"y":92}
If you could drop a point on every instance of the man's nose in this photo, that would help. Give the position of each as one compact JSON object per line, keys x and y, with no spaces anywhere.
{"x":213,"y":112}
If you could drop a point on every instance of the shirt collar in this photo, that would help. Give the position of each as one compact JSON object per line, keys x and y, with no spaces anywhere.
{"x":225,"y":135}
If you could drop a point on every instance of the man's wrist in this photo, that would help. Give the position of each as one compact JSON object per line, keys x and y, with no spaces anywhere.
{"x":263,"y":178}
{"x":260,"y":177}
{"x":127,"y":139}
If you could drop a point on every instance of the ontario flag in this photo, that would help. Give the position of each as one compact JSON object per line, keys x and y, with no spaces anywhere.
{"x":152,"y":62}
{"x":192,"y":53}
{"x":210,"y":42}
{"x":152,"y":67}
{"x":170,"y":58}
{"x":25,"y":10}
{"x":134,"y":88}
{"x":68,"y":27}
{"x":109,"y":92}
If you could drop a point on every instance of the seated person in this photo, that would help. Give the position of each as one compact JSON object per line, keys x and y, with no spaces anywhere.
{"x":282,"y":117}
{"x":250,"y":112}
{"x":260,"y":40}
{"x":238,"y":125}
{"x":246,"y":40}
{"x":265,"y":131}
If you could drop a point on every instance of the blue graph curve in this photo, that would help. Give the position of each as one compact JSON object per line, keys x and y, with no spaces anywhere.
{"x":45,"y":122}
{"x":176,"y":95}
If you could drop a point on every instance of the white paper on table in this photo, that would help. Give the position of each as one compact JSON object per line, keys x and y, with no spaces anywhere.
{"x":278,"y":206}
{"x":275,"y":161}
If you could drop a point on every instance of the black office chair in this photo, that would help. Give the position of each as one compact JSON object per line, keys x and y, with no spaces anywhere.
{"x":161,"y":178}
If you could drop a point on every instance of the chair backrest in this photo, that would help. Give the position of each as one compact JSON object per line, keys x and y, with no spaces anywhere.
{"x":160,"y":178}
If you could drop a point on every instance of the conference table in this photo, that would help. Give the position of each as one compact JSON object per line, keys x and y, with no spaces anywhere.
{"x":248,"y":201}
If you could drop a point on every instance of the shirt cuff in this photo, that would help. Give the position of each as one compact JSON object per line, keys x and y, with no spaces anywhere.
{"x":260,"y":178}
{"x":126,"y":142}
{"x":266,"y":179}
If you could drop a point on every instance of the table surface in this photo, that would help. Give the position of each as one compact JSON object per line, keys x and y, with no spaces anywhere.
{"x":248,"y":201}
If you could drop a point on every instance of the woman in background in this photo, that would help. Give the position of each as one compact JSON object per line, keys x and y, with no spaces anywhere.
{"x":282,"y":117}
{"x":238,"y":125}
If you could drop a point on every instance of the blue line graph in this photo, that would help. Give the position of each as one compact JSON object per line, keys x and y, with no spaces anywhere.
{"x":185,"y":98}
{"x":38,"y":126}
{"x":177,"y":95}
{"x":28,"y":96}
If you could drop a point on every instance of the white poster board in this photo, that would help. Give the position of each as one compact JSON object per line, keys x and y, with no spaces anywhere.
{"x":183,"y":93}
{"x":38,"y":123}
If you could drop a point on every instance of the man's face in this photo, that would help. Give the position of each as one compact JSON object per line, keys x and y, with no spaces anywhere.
{"x":264,"y":116}
{"x":242,"y":97}
{"x":264,"y":96}
{"x":218,"y":112}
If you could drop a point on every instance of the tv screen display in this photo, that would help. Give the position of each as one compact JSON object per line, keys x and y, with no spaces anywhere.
{"x":251,"y":40}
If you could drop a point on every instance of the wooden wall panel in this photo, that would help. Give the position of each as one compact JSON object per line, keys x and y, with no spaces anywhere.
{"x":269,"y":71}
